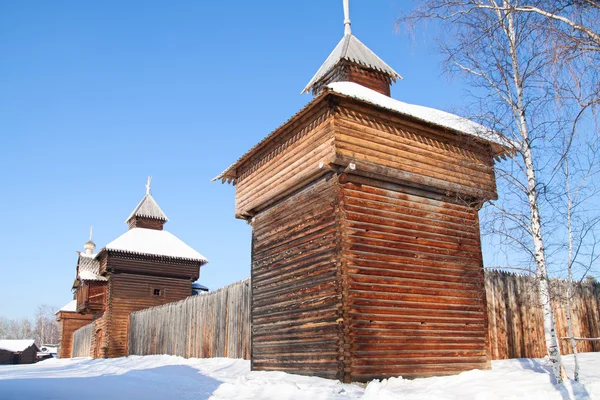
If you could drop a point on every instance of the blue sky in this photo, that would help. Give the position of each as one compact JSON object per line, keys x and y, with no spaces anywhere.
{"x":96,"y":96}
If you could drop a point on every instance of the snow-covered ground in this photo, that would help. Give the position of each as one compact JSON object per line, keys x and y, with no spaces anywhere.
{"x":167,"y":377}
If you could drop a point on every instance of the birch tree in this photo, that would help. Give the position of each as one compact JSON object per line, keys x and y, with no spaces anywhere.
{"x":46,"y":327}
{"x":580,"y":171}
{"x":500,"y":53}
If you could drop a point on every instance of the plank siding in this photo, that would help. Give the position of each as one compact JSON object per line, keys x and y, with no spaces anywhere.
{"x":82,"y":341}
{"x":214,"y":324}
{"x":515,"y":315}
{"x":415,"y":298}
{"x":295,"y":284}
{"x":68,"y":323}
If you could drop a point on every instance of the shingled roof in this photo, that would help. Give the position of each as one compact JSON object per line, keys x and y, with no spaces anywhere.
{"x":353,"y":50}
{"x":148,"y":208}
{"x":154,"y":242}
{"x":89,"y":268}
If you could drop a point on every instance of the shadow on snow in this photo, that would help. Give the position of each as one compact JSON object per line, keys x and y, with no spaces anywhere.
{"x":173,"y":381}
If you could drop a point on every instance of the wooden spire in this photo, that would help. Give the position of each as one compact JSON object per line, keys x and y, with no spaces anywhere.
{"x":347,"y":23}
{"x":148,"y":213}
{"x":352,"y":61}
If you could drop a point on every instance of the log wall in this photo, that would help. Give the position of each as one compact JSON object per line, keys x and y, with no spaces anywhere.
{"x":6,"y":357}
{"x":412,"y":153}
{"x":82,"y":341}
{"x":68,"y":323}
{"x":132,"y":283}
{"x":132,"y":292}
{"x":28,"y":356}
{"x":413,"y":283}
{"x":218,"y":324}
{"x":214,"y":324}
{"x":296,"y":305}
{"x":285,"y":163}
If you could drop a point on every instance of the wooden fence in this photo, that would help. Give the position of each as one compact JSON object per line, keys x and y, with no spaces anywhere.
{"x":516,"y":328}
{"x":216,"y":324}
{"x":82,"y":341}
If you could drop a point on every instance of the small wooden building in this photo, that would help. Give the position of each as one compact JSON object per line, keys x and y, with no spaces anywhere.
{"x":145,"y":267}
{"x":366,"y":257}
{"x":69,"y":320}
{"x":18,"y":352}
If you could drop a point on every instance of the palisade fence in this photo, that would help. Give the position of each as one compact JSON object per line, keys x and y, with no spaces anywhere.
{"x":515,"y":321}
{"x":207,"y":325}
{"x":218,"y":324}
{"x":82,"y":341}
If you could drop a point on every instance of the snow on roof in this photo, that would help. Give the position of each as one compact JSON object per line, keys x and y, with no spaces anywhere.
{"x":352,"y":49}
{"x":48,"y":349}
{"x":16,"y":345}
{"x":148,"y":208}
{"x":89,"y":268}
{"x":199,"y":286}
{"x":90,"y":276}
{"x":69,"y":307}
{"x":154,"y":242}
{"x":425,"y":114}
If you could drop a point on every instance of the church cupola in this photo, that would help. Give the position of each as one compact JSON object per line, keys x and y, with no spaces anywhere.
{"x":352,"y":61}
{"x":89,"y":246}
{"x":147,"y":214}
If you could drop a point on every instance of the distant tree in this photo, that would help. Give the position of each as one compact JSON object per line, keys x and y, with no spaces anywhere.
{"x":46,"y":327}
{"x":580,"y":169}
{"x":3,"y":328}
{"x":20,"y":329}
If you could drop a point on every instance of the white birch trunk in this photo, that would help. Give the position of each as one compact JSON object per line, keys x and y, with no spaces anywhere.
{"x":541,"y":272}
{"x":569,"y":271}
{"x":532,"y":196}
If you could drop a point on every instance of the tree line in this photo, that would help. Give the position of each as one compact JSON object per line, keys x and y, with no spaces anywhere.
{"x":43,"y":328}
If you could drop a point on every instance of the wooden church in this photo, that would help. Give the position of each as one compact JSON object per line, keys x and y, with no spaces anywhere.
{"x":145,"y":267}
{"x":366,"y":256}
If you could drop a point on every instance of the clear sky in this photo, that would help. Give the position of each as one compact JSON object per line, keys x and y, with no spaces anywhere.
{"x":97,"y":95}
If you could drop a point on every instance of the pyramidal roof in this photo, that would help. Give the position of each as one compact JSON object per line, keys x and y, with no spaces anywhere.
{"x":154,"y":242}
{"x":352,"y":49}
{"x":148,"y":208}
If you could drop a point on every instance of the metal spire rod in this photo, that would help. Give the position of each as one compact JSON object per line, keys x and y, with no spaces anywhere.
{"x":91,"y":229}
{"x":347,"y":28}
{"x":148,"y":185}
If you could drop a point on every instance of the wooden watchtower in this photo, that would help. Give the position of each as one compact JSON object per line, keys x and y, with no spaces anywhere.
{"x":366,"y":256}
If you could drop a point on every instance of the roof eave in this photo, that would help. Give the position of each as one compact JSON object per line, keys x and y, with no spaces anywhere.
{"x":202,"y":260}
{"x":230,"y":174}
{"x":320,"y":76}
{"x":498,"y":149}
